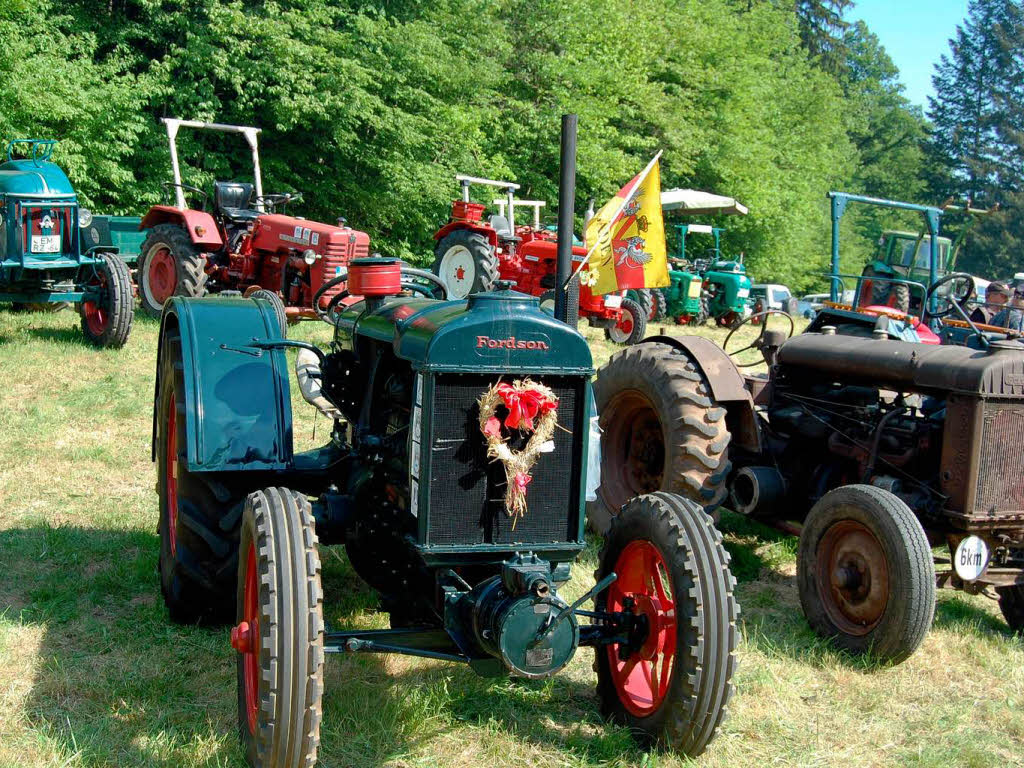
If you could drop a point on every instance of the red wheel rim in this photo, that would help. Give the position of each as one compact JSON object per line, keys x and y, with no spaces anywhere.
{"x":162,"y":275}
{"x":626,"y":322}
{"x":251,"y":658}
{"x":642,"y":680}
{"x":172,"y":474}
{"x":97,"y":318}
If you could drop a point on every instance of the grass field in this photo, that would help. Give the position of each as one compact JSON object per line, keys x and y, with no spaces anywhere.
{"x":93,"y":674}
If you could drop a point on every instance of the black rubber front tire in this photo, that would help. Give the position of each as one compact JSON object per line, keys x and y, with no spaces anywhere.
{"x":281,"y":562}
{"x":661,"y":431}
{"x":190,"y":265}
{"x":108,"y":321}
{"x":693,"y":701}
{"x":632,"y":328}
{"x":1011,"y":603}
{"x":277,"y":305}
{"x":199,"y":533}
{"x":888,"y":609}
{"x":484,"y":261}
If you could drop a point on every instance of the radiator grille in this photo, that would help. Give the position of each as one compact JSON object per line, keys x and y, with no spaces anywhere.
{"x":1001,"y":470}
{"x":339,"y":254}
{"x":467,"y":490}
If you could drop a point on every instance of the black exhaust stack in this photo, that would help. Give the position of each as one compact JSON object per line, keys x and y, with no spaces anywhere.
{"x":566,"y":209}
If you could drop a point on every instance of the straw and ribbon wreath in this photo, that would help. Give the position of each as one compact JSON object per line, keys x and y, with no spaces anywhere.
{"x":531,"y":410}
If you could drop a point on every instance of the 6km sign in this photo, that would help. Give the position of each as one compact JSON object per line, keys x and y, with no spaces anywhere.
{"x":971,"y":558}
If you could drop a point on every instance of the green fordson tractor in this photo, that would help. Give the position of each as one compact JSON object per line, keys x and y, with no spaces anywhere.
{"x":455,"y":476}
{"x":43,"y":261}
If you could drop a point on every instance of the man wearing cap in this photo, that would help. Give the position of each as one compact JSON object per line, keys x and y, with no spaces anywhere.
{"x":1011,"y":317}
{"x":996,"y":296}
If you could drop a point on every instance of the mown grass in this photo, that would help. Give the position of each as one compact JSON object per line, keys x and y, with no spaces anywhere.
{"x":93,"y":674}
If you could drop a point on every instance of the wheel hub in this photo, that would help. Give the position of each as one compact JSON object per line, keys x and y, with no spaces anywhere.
{"x":242,"y":638}
{"x":853,"y":577}
{"x":162,"y":276}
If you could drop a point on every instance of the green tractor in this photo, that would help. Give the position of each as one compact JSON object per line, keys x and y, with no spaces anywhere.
{"x":43,"y":264}
{"x":708,"y":285}
{"x":456,"y":474}
{"x":904,"y":258}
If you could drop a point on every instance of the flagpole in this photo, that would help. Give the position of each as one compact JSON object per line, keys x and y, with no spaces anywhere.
{"x":622,"y":205}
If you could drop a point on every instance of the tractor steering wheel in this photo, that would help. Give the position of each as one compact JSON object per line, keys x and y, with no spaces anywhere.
{"x":757,"y":343}
{"x":960,"y":291}
{"x":169,"y":185}
{"x":409,"y":276}
{"x":272,"y":201}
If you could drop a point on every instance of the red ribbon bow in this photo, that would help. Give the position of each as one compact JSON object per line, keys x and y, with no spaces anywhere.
{"x":523,"y":405}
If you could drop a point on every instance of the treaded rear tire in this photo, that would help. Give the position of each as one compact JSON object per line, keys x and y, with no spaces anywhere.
{"x":910,"y":598}
{"x":189,"y":263}
{"x":660,"y":311}
{"x":1011,"y":603}
{"x":197,"y":573}
{"x":700,"y":684}
{"x":277,"y":524}
{"x":655,"y":388}
{"x":484,"y":259}
{"x":278,"y":305}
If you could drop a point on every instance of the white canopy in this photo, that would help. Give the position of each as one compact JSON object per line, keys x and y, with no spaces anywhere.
{"x":696,"y":202}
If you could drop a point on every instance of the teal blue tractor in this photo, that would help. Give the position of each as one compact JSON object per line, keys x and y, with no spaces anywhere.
{"x":44,"y":263}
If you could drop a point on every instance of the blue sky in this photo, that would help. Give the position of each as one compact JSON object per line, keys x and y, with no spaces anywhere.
{"x":914,"y":33}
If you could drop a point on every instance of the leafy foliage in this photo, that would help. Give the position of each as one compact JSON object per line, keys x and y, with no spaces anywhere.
{"x":978,"y":117}
{"x":370,"y":108}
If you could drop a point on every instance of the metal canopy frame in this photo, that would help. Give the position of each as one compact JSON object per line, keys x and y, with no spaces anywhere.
{"x":248,"y":132}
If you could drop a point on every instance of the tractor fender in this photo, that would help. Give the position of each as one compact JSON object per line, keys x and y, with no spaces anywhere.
{"x":481,"y":229}
{"x":201,"y":227}
{"x":237,"y":401}
{"x":728,"y":386}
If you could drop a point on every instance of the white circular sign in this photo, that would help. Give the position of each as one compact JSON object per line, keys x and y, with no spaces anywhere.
{"x":970,"y":558}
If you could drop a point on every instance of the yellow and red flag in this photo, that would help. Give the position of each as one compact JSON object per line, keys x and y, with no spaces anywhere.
{"x":626,"y":238}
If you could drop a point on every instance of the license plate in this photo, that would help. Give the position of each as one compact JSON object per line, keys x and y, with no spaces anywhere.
{"x":743,"y":293}
{"x":694,"y":291}
{"x":45,"y":243}
{"x":613,"y":302}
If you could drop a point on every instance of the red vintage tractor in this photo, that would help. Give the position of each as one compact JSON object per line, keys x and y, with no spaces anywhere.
{"x":243,"y":244}
{"x":471,"y":255}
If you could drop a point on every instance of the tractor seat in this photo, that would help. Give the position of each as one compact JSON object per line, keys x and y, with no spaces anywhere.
{"x":233,"y":201}
{"x":500,"y":225}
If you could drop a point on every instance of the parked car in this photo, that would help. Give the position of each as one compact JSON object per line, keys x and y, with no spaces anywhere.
{"x":765,"y":296}
{"x":812,"y":303}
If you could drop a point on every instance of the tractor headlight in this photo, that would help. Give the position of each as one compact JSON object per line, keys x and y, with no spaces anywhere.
{"x":309,"y":256}
{"x":84,"y":217}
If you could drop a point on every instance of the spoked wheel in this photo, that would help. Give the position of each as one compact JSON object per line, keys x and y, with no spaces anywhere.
{"x":671,"y":681}
{"x":279,"y":636}
{"x":169,"y":265}
{"x":466,"y":263}
{"x":661,"y":431}
{"x":865,"y":573}
{"x":631,"y":325}
{"x":107,"y":314}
